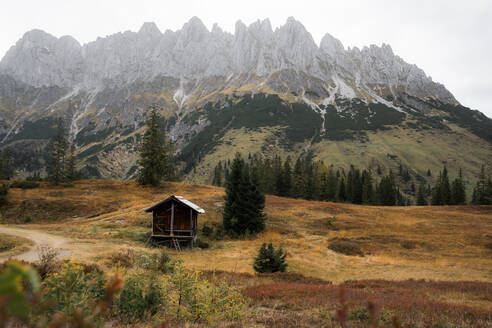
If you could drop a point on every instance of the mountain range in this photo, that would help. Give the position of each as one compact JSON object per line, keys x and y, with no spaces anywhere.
{"x":259,"y":90}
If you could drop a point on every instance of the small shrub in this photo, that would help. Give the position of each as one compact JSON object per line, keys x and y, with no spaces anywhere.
{"x":34,"y":177}
{"x":408,"y":244}
{"x":360,"y":314}
{"x":72,"y":289}
{"x":124,"y":258}
{"x":345,"y":246}
{"x":17,"y":283}
{"x":24,"y":304}
{"x":330,"y":222}
{"x":24,"y":184}
{"x":27,"y":219}
{"x":192,"y":298}
{"x":207,"y":231}
{"x":270,"y":259}
{"x":47,"y":260}
{"x":165,"y":264}
{"x":219,"y":233}
{"x":144,"y":237}
{"x":140,"y":298}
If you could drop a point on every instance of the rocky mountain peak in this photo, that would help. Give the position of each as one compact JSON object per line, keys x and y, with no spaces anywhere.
{"x":194,"y":29}
{"x":331,"y":46}
{"x":149,"y":28}
{"x":195,"y":53}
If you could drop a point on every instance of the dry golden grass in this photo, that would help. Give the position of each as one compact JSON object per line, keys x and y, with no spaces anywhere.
{"x":13,"y":245}
{"x":440,"y":243}
{"x":448,"y":246}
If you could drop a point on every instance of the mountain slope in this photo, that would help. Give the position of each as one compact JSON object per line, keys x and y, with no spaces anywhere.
{"x":257,"y":90}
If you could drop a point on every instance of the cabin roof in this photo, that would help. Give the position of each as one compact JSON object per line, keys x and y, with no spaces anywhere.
{"x":180,"y":199}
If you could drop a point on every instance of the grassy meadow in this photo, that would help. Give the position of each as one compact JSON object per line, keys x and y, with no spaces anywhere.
{"x":427,"y":265}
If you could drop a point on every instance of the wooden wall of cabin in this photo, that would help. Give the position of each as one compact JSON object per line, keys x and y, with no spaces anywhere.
{"x":182,"y":217}
{"x":182,"y":220}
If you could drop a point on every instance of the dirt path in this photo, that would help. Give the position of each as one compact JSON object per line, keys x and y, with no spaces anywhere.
{"x":39,"y":238}
{"x":78,"y":249}
{"x":66,"y":247}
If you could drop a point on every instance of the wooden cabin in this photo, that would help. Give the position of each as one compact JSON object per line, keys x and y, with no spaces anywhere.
{"x":174,"y":221}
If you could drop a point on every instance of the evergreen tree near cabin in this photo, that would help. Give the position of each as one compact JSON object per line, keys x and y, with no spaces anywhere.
{"x":244,"y":202}
{"x":270,"y":260}
{"x":155,"y":153}
{"x":57,"y":153}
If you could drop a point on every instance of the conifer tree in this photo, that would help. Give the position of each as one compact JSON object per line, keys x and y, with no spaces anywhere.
{"x":367,"y":188}
{"x":445,"y":187}
{"x":332,"y":185}
{"x":217,"y":181}
{"x":387,"y":191}
{"x":482,"y":193}
{"x":299,"y":182}
{"x":6,"y":164}
{"x":310,"y":191}
{"x":232,"y":192}
{"x":441,"y":194}
{"x":71,"y":173}
{"x":155,"y":153}
{"x":256,"y":201}
{"x":57,"y":152}
{"x":436,"y":198}
{"x":421,"y":199}
{"x":287,"y":178}
{"x":349,"y":184}
{"x":324,"y":187}
{"x":283,"y":177}
{"x":458,"y":193}
{"x":356,"y":187}
{"x":4,"y":194}
{"x":243,"y":210}
{"x":341,"y":195}
{"x":270,"y":260}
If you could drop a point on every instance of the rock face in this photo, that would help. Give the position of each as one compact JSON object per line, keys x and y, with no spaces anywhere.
{"x":203,"y":81}
{"x":194,"y":53}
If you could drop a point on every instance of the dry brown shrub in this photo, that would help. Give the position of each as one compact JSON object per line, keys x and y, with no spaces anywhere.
{"x":408,"y":244}
{"x":346,"y":246}
{"x":124,"y":258}
{"x":47,"y":260}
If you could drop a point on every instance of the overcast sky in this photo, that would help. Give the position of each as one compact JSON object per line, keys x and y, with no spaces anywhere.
{"x":450,"y":40}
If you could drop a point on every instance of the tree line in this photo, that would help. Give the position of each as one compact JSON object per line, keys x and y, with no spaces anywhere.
{"x":314,"y":180}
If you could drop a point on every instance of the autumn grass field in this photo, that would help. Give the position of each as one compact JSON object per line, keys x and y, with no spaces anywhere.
{"x":424,"y":264}
{"x":12,"y":245}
